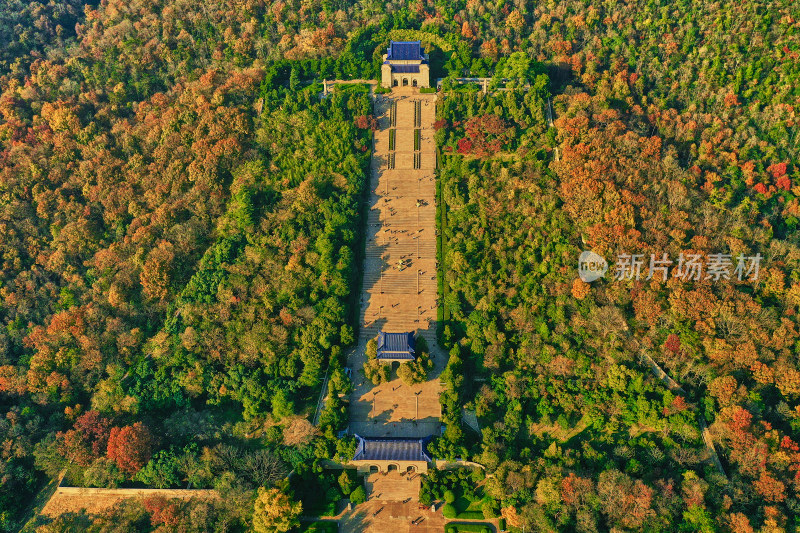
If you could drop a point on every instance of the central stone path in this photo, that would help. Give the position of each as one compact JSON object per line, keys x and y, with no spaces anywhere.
{"x":399,"y":291}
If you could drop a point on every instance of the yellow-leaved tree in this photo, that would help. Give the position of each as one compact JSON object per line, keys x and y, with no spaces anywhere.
{"x":275,"y":512}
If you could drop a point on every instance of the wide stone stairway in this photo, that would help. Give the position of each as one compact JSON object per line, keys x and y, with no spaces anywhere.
{"x":399,"y":291}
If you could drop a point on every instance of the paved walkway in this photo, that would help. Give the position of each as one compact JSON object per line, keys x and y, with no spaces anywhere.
{"x":376,"y":516}
{"x":391,"y":517}
{"x":393,"y":487}
{"x":393,"y":507}
{"x":399,"y":291}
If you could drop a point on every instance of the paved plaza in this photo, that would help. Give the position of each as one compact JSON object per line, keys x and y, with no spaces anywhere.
{"x":391,"y":517}
{"x":393,"y":486}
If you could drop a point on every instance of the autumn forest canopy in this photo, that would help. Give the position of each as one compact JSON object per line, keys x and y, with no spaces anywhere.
{"x":182,"y":232}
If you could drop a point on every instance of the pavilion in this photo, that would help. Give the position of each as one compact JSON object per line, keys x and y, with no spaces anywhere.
{"x":396,"y":346}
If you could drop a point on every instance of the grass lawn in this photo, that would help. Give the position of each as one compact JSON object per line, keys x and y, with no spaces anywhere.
{"x":443,"y":313}
{"x":467,"y":509}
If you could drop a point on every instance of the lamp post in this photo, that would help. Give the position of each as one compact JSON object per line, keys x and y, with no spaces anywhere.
{"x":416,"y":406}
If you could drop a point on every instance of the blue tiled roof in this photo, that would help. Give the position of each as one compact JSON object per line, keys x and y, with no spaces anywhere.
{"x":399,"y":449}
{"x":402,"y":50}
{"x":403,"y":69}
{"x":395,"y":345}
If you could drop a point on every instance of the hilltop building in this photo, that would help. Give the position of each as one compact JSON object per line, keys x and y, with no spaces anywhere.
{"x":391,"y":454}
{"x":405,"y":64}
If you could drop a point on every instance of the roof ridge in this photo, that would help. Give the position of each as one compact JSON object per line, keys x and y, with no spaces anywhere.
{"x":408,"y":449}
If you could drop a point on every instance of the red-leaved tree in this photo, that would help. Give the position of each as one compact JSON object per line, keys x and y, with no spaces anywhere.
{"x":464,"y":146}
{"x":162,"y":511}
{"x":673,"y":343}
{"x":87,"y":440}
{"x":366,"y":122}
{"x":130,"y":447}
{"x":777,"y":169}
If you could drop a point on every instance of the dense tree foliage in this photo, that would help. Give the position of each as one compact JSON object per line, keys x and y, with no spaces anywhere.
{"x":179,"y":247}
{"x":275,"y":512}
{"x":29,"y":30}
{"x":180,"y":225}
{"x":416,"y":371}
{"x":577,"y":432}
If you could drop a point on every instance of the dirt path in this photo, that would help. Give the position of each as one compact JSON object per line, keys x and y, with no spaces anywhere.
{"x":675,"y":387}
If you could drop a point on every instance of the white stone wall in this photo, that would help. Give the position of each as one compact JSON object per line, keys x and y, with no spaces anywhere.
{"x":422,"y":78}
{"x":383,"y":466}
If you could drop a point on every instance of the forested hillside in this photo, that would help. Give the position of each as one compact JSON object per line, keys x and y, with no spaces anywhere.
{"x":178,"y":254}
{"x":662,"y":142}
{"x":180,"y":232}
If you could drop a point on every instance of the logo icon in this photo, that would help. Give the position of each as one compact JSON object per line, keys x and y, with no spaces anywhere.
{"x":591,"y":266}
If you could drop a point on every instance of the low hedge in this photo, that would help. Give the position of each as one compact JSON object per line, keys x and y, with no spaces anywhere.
{"x":449,"y":511}
{"x":353,"y":87}
{"x":467,"y":528}
{"x":321,"y":527}
{"x":419,"y":35}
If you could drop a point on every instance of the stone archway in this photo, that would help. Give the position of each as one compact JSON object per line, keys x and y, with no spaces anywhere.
{"x":392,"y":468}
{"x":394,"y":83}
{"x":374,"y":469}
{"x":414,"y":82}
{"x":405,"y":82}
{"x":411,"y":469}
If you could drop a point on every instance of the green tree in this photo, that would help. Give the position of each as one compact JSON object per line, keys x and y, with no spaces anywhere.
{"x":103,"y":473}
{"x":161,"y":471}
{"x":372,"y":349}
{"x":517,"y":67}
{"x":415,"y":371}
{"x":281,"y":405}
{"x":374,"y":370}
{"x":346,"y":482}
{"x":358,"y":495}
